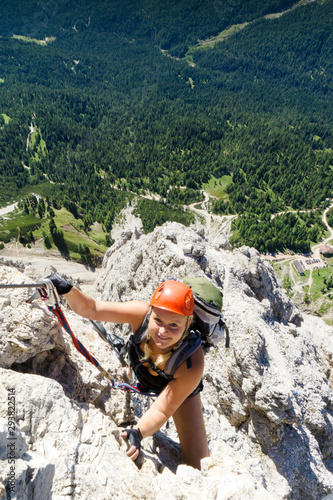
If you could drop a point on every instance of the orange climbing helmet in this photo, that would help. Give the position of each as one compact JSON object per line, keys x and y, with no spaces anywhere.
{"x":173,"y":296}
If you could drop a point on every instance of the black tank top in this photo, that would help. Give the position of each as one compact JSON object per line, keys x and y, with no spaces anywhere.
{"x":149,"y":382}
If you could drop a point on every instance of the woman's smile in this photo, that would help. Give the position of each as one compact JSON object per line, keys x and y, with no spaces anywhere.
{"x":162,"y":337}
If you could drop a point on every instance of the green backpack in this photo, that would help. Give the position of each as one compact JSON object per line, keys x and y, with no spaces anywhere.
{"x":209,"y":324}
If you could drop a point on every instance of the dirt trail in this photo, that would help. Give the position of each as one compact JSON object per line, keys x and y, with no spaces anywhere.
{"x":225,"y":220}
{"x":9,"y":208}
{"x":39,"y":260}
{"x":329,"y":228}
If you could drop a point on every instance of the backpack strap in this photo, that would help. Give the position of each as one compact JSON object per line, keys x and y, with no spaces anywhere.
{"x":190,"y":345}
{"x":140,"y":334}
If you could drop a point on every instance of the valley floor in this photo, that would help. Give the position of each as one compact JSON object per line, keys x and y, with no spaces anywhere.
{"x":40,"y":260}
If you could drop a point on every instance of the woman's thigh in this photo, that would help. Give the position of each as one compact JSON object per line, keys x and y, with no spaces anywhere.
{"x":190,"y":426}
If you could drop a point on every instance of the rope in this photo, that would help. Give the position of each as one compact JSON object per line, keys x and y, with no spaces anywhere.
{"x":64,"y":323}
{"x":47,"y":291}
{"x":133,"y":388}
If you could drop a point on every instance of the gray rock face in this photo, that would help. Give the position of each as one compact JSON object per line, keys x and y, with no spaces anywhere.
{"x":267,"y":400}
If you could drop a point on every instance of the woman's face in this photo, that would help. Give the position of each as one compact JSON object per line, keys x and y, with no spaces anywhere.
{"x":166,"y":328}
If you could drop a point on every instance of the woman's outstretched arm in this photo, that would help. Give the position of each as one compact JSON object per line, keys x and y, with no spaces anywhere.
{"x":132,"y":312}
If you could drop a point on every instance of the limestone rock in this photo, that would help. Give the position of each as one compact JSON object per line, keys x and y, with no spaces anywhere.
{"x":267,"y":400}
{"x":25,"y":330}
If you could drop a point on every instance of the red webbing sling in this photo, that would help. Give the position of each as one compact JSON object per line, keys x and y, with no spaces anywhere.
{"x":49,"y":293}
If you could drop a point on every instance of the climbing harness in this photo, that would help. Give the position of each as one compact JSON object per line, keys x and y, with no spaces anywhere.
{"x":48,"y":293}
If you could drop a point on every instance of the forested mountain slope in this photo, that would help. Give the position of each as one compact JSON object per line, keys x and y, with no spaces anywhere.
{"x":109,"y":107}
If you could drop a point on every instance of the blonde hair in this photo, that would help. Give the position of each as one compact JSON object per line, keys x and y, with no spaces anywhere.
{"x":162,"y":359}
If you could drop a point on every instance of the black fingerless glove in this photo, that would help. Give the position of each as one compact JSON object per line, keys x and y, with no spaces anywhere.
{"x":61,"y":284}
{"x":134,"y":437}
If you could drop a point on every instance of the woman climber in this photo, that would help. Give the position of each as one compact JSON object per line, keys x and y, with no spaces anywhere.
{"x":164,"y":328}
